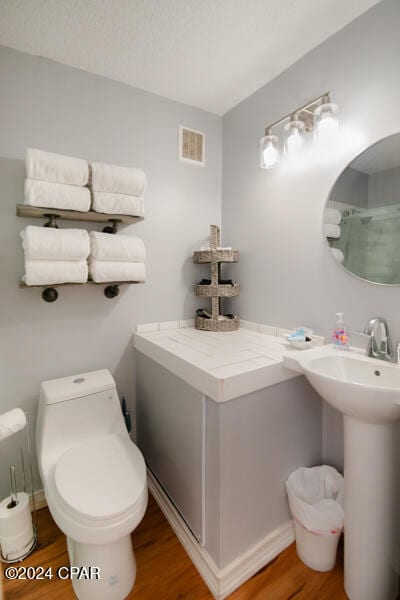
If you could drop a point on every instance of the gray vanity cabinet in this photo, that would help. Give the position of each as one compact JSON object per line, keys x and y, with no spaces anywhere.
{"x":224,"y":463}
{"x":170,"y":426}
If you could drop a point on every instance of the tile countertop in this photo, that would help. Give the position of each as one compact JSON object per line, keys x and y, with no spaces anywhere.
{"x":222,"y":366}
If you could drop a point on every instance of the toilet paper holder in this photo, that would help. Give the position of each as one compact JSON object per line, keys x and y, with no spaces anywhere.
{"x":18,"y":520}
{"x":18,"y":554}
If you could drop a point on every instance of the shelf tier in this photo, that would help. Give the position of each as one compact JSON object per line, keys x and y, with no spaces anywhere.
{"x":25,"y":210}
{"x":22,"y":284}
{"x":208,"y":256}
{"x":217,"y":291}
{"x":222,"y":323}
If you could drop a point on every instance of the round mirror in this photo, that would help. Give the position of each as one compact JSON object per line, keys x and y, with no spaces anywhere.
{"x":362,"y":216}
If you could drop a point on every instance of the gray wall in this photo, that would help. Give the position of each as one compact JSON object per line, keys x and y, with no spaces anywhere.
{"x":288,"y":277}
{"x":53,"y":107}
{"x":351,"y":188}
{"x":384,"y":188}
{"x":361,"y":190}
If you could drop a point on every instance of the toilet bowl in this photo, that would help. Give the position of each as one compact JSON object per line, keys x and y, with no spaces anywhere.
{"x":94,"y":480}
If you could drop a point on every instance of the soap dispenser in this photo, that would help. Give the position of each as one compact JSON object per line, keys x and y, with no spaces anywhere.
{"x":340,"y":337}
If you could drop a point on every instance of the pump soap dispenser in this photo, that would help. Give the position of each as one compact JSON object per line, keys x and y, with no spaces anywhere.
{"x":340,"y":337}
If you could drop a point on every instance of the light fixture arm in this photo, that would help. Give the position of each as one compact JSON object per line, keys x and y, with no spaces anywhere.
{"x":323,"y":99}
{"x":319,"y":115}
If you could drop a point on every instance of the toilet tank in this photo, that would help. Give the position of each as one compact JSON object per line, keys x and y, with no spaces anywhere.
{"x":73,"y":410}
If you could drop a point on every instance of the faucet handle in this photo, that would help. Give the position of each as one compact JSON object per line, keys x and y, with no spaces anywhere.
{"x":363,"y":333}
{"x":398,"y":353}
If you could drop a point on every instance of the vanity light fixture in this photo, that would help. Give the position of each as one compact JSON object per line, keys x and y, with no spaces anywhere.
{"x":319,"y":115}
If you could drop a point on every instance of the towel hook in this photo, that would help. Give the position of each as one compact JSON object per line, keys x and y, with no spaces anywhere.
{"x":114,"y":228}
{"x":50,"y":294}
{"x":52,"y":222}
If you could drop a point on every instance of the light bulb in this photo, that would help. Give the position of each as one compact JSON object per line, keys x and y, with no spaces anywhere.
{"x":270,"y":155}
{"x":294,"y":138}
{"x":327,"y":127}
{"x":294,"y":142}
{"x":269,"y":151}
{"x":326,"y":121}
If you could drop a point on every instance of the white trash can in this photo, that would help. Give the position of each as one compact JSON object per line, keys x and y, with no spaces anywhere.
{"x":316,"y":503}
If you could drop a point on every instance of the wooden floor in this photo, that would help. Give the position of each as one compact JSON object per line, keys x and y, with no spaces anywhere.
{"x":165,"y":572}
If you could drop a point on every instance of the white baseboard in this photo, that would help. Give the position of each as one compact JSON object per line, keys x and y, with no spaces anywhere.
{"x":222,"y":582}
{"x":251,"y":561}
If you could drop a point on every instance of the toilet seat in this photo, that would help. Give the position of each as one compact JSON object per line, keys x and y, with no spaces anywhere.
{"x":102,"y":479}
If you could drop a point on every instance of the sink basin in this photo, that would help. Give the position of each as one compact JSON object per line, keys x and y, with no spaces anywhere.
{"x":367,"y":392}
{"x":358,"y":386}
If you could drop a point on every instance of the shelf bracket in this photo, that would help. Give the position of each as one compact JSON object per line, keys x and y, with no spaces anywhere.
{"x":113,"y":228}
{"x":50,"y":294}
{"x":52,"y":222}
{"x":111,"y":291}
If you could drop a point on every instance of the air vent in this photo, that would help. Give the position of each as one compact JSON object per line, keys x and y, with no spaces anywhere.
{"x":191,"y":145}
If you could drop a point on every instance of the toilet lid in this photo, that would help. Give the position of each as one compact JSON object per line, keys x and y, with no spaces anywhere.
{"x":102,"y":478}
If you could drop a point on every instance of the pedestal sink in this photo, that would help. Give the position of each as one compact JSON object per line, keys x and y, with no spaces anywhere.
{"x":367,"y":392}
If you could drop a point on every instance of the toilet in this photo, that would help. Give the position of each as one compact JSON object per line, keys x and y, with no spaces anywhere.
{"x":94,"y":480}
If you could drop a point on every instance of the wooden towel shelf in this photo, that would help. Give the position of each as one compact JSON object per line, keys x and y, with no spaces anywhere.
{"x":34,"y":212}
{"x":50,"y":293}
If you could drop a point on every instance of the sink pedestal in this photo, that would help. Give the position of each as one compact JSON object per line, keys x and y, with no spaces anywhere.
{"x":367,"y":392}
{"x":369,"y":541}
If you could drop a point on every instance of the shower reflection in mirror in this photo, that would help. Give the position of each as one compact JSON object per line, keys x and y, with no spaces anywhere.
{"x":362,"y":216}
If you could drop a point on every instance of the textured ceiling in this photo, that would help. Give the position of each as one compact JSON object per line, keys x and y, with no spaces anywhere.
{"x":207,"y":53}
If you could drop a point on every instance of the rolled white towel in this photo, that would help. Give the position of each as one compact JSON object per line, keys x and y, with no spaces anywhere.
{"x":118,"y":204}
{"x":56,"y":195}
{"x":332,"y":216}
{"x":50,"y":272}
{"x":56,"y":168}
{"x":338,"y":254}
{"x":47,"y":243}
{"x":119,"y":180}
{"x":120,"y":248}
{"x":108,"y":271}
{"x":332,"y":231}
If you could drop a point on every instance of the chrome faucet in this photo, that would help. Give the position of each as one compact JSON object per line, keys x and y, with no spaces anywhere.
{"x":379,"y":345}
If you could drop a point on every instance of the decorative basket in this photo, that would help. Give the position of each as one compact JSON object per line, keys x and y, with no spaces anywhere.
{"x":208,"y":256}
{"x":221,"y":323}
{"x":221,"y":290}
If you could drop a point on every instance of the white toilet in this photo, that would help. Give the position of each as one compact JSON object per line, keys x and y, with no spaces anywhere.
{"x":94,"y":479}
